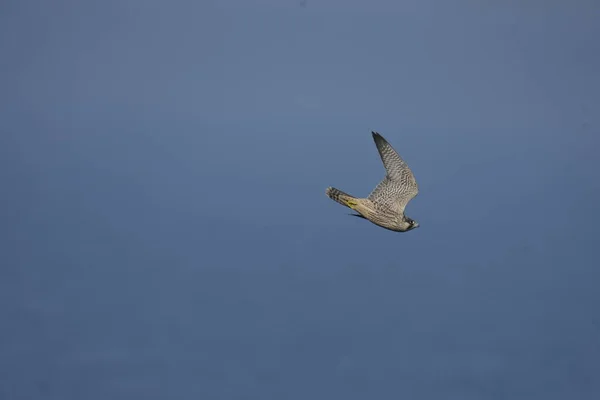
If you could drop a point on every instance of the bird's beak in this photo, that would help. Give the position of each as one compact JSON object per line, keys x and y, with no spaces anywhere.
{"x":416,"y":224}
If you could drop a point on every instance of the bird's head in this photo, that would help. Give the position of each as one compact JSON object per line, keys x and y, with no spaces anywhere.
{"x":409,"y":223}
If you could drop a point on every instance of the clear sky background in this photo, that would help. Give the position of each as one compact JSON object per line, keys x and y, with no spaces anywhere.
{"x":165,"y":232}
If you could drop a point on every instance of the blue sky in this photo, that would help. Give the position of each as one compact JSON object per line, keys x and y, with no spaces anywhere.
{"x":165,"y":228}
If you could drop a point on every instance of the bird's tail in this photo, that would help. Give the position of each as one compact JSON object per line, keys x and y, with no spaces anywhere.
{"x":341,"y":197}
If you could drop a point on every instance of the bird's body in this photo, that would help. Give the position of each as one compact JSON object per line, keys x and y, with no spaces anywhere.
{"x":386,"y":203}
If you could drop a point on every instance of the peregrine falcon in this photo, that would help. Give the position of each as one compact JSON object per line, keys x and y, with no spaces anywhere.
{"x":386,"y":203}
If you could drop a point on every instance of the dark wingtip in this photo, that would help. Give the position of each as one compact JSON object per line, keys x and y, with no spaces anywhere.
{"x":377,"y":136}
{"x":357,"y":215}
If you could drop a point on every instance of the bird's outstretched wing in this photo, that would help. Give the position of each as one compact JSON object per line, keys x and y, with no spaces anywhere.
{"x":399,"y":185}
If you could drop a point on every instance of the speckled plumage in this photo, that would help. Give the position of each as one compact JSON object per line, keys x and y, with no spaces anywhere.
{"x":386,"y":203}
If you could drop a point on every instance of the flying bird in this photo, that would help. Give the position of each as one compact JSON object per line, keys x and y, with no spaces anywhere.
{"x":386,"y":203}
